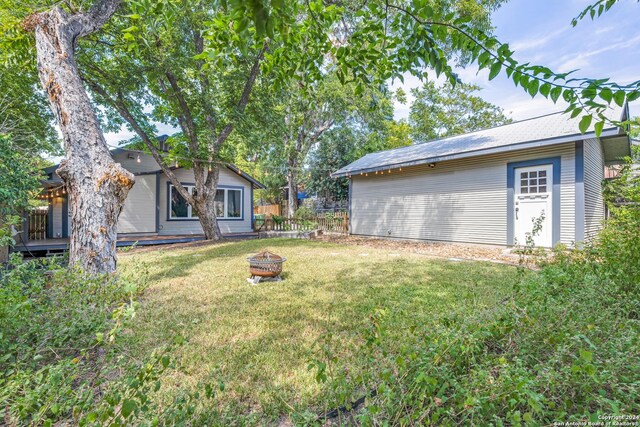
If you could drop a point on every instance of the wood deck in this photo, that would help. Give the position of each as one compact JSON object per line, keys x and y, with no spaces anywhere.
{"x":62,"y":244}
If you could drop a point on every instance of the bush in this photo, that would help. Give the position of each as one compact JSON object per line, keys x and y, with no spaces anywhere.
{"x":54,"y":326}
{"x":304,"y":213}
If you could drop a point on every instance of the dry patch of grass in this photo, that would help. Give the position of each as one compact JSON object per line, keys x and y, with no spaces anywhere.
{"x":259,"y":340}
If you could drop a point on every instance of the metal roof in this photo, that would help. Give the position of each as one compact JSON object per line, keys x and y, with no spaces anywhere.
{"x":549,"y":129}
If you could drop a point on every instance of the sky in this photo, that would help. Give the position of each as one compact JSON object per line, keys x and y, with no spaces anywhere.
{"x":540,"y":32}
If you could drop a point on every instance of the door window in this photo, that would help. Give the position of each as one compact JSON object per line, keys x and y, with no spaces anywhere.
{"x":533,"y":182}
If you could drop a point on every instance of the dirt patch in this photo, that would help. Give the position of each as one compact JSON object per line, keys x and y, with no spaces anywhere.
{"x":454,"y":251}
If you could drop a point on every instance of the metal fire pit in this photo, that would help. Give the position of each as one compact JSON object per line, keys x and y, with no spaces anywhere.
{"x":265,"y":265}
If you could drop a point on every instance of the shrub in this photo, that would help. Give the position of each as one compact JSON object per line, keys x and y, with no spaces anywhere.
{"x":304,"y":213}
{"x":55,"y":323}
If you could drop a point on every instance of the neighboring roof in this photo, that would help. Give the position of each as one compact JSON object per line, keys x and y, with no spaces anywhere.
{"x":540,"y":131}
{"x":231,"y":167}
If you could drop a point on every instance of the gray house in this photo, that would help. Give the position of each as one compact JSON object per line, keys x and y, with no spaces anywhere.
{"x":488,"y":186}
{"x":152,"y":210}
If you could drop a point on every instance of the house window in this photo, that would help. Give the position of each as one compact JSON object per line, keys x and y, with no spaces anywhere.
{"x":179,"y":208}
{"x":533,"y":182}
{"x":227,"y":202}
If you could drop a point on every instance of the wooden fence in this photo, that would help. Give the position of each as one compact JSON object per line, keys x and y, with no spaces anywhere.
{"x":267,"y":210}
{"x":332,"y":224}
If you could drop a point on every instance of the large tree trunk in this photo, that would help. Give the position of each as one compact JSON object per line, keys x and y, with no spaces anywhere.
{"x":208,"y":219}
{"x":205,"y":206}
{"x":292,"y":186}
{"x":97,"y":186}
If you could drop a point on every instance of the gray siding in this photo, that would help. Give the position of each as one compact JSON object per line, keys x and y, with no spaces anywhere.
{"x":459,"y":200}
{"x":56,"y":205}
{"x":593,"y":177}
{"x":139,"y":212}
{"x":227,"y":178}
{"x":147,"y":162}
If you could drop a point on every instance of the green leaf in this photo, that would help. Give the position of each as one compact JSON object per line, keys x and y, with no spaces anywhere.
{"x":576,"y":112}
{"x":598,"y":127}
{"x":128,"y":406}
{"x":633,"y":96}
{"x":619,"y":96}
{"x":555,"y":93}
{"x":585,"y":355}
{"x":495,"y":70}
{"x":606,"y":94}
{"x":584,"y":123}
{"x":545,"y":89}
{"x":533,"y":87}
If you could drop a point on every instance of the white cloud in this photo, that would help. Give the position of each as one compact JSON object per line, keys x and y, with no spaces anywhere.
{"x":581,"y":59}
{"x":537,"y":41}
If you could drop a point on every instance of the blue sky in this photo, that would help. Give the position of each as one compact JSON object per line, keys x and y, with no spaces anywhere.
{"x":540,"y":32}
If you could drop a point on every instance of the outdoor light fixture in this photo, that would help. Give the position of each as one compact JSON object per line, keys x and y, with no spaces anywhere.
{"x":432,"y":165}
{"x":138,"y":158}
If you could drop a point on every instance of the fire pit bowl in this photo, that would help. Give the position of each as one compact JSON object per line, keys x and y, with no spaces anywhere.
{"x":265,"y":265}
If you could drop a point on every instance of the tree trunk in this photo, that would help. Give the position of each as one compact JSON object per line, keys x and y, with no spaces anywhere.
{"x":97,"y":186}
{"x":292,"y":186}
{"x":205,"y":206}
{"x":208,"y":219}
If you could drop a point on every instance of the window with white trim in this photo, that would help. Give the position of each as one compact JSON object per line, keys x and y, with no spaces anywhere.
{"x":179,"y":208}
{"x":228,"y":204}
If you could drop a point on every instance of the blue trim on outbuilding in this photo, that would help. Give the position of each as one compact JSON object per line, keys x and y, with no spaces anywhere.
{"x":555,"y":197}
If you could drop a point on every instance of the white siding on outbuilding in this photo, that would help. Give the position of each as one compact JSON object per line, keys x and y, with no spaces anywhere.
{"x":461,"y":200}
{"x":593,"y":177}
{"x":192,"y":226}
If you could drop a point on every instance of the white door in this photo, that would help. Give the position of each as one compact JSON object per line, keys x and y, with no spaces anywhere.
{"x":532,"y":202}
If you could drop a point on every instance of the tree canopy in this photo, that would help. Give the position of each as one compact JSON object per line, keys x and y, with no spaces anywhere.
{"x":440,"y":111}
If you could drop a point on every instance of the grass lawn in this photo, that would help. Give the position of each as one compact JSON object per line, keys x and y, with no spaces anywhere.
{"x":259,"y":340}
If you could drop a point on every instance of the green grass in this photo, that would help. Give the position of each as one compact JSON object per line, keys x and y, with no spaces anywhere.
{"x":259,"y":340}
